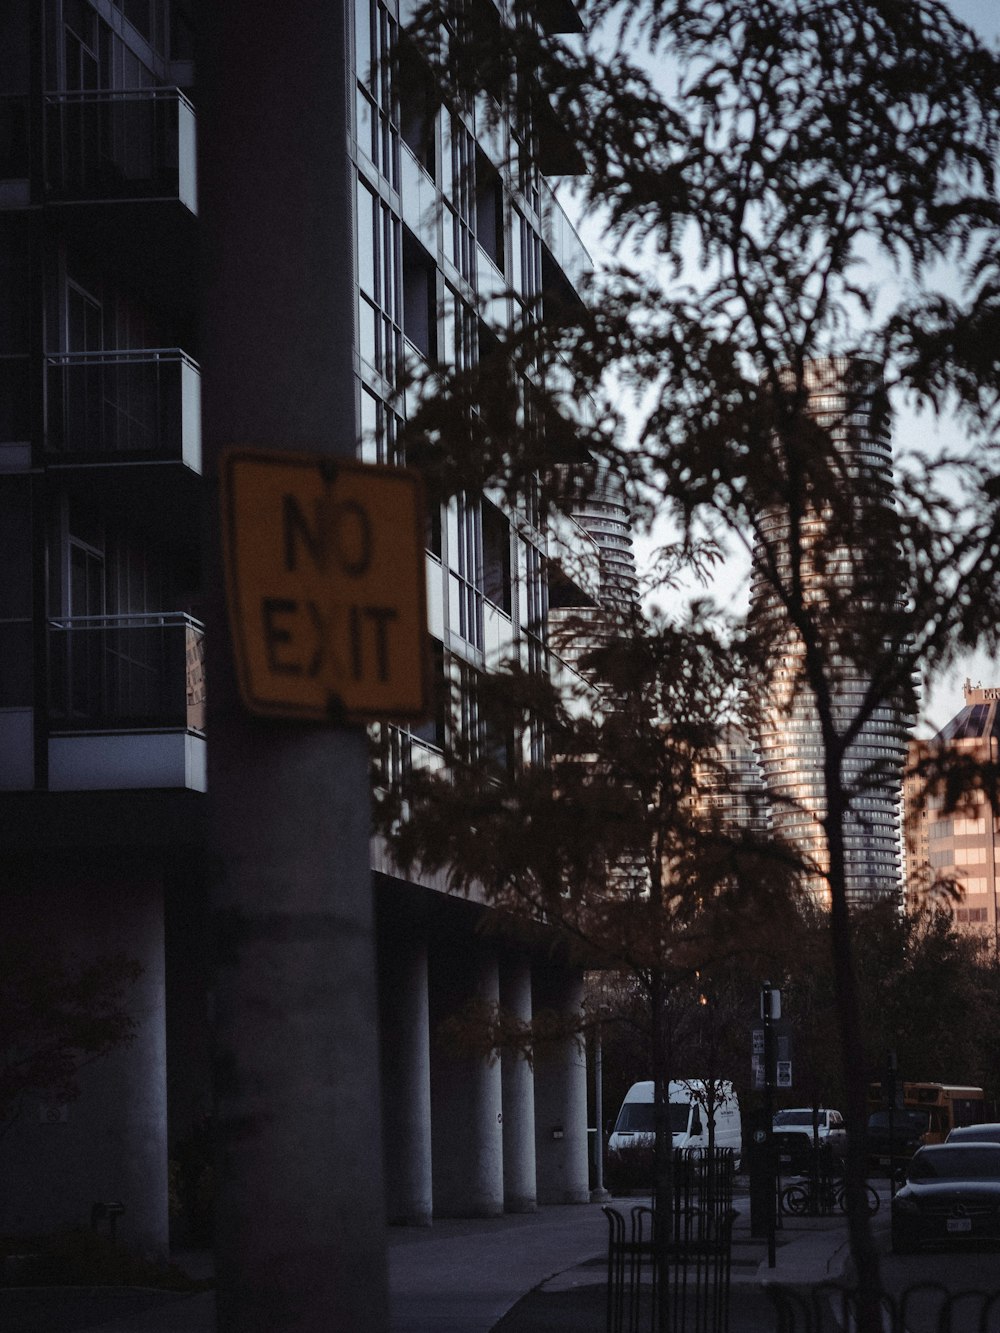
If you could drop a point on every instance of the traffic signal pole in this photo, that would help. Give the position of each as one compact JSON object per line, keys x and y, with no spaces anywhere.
{"x":300,"y":1224}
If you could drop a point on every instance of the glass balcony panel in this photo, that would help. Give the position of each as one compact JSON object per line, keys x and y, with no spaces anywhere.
{"x":110,"y":405}
{"x":138,"y":673}
{"x":120,"y":145}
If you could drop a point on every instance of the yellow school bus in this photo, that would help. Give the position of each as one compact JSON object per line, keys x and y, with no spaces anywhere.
{"x":946,"y":1105}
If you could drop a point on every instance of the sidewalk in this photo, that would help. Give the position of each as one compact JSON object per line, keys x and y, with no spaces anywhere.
{"x":807,"y":1251}
{"x":542,"y":1272}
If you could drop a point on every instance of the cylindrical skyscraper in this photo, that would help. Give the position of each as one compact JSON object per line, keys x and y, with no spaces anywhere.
{"x":831,"y":559}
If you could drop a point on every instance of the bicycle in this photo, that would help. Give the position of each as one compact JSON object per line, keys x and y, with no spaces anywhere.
{"x":801,"y":1199}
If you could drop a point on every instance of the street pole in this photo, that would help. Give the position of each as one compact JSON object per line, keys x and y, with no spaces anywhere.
{"x":891,"y":1070}
{"x":770,"y":1000}
{"x":300,"y":1238}
{"x":598,"y":1194}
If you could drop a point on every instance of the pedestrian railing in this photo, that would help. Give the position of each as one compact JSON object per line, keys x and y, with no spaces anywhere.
{"x":833,"y":1307}
{"x":675,"y":1275}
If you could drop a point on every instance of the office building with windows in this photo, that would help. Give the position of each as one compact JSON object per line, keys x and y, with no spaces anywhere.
{"x":102,"y":648}
{"x":842,"y":397}
{"x":950,"y":856}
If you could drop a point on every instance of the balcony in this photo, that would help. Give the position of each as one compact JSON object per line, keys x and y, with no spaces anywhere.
{"x":559,"y":235}
{"x":126,"y":702}
{"x":136,"y":406}
{"x":104,"y":146}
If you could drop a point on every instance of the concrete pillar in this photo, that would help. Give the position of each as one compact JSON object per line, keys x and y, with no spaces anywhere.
{"x":300,"y":1224}
{"x":466,"y":1097}
{"x":110,"y":1143}
{"x":519,"y":1188}
{"x":561,"y":1095}
{"x":406,"y":1077}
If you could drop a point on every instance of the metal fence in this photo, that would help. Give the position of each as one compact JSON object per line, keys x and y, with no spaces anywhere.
{"x":676,"y":1275}
{"x":925,"y":1308}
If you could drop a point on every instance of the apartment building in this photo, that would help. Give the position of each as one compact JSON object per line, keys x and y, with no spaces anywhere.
{"x":843,"y":397}
{"x":103,"y":736}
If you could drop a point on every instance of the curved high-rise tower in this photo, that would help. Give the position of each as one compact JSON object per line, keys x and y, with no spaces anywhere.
{"x":842,"y":556}
{"x":578,"y":623}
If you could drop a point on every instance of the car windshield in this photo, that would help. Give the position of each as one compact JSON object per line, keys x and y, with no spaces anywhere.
{"x":796,"y":1118}
{"x":958,"y":1162}
{"x":637,"y":1118}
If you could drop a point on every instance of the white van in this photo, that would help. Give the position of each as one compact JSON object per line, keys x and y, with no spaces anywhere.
{"x":688,"y":1119}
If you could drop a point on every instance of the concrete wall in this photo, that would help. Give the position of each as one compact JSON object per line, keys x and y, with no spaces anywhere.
{"x":110,"y":1144}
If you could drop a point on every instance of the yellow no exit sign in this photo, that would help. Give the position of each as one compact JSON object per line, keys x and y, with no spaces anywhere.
{"x":325,"y":573}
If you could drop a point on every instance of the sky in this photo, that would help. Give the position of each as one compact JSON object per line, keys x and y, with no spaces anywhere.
{"x":946,"y":697}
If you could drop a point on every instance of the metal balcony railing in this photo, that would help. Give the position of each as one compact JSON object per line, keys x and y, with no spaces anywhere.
{"x":122,"y":144}
{"x":127,"y":673}
{"x":105,"y":406}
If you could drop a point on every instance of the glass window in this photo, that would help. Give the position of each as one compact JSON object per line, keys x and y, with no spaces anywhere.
{"x":363,"y":41}
{"x":419,"y":298}
{"x":378,"y":278}
{"x":489,"y":210}
{"x":433,"y":730}
{"x":369,"y":427}
{"x":376,"y":33}
{"x":366,"y":240}
{"x":496,"y":580}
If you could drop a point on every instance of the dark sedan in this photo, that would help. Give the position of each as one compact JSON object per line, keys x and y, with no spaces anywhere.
{"x":951,"y":1195}
{"x":989,"y":1133}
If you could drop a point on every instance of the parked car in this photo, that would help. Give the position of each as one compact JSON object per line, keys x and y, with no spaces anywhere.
{"x":989,"y":1133}
{"x":892,"y":1140}
{"x":793,"y":1134}
{"x":951,"y":1196}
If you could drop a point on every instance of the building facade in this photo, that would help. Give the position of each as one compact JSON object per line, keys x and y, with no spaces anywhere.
{"x":103,"y":739}
{"x":842,"y":398}
{"x":950,"y":856}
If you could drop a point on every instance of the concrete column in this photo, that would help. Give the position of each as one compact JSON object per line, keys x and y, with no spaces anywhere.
{"x":519,"y":1188}
{"x":406,"y":1078}
{"x":561,"y":1095}
{"x":466,"y":1098}
{"x":300,"y":1223}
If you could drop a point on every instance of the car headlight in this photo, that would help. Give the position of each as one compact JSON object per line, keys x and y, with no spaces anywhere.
{"x":902,"y":1203}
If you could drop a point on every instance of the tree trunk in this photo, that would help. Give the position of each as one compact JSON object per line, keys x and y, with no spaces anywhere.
{"x":863,"y":1251}
{"x":663,"y":1147}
